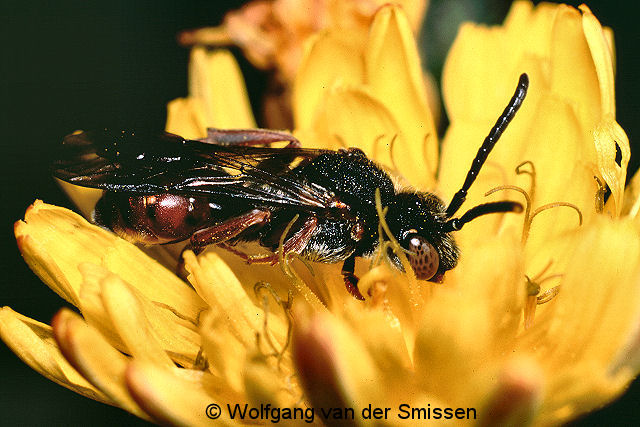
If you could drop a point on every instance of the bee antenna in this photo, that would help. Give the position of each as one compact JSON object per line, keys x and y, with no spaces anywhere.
{"x":488,"y":144}
{"x":455,"y":224}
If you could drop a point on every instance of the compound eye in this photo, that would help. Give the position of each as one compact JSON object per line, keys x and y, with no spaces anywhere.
{"x":424,"y":258}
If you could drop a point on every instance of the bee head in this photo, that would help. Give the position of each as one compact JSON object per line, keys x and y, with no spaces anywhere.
{"x":422,"y":225}
{"x":416,"y":221}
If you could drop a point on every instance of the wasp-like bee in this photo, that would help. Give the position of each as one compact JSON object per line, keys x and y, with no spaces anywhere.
{"x":232,"y":187}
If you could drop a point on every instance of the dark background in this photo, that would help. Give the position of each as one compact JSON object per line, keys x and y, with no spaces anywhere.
{"x":70,"y":65}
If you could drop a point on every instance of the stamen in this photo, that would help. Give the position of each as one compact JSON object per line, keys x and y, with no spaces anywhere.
{"x":393,"y":243}
{"x":533,"y":288}
{"x":383,"y":244}
{"x":340,"y":140}
{"x":281,"y":255}
{"x":544,"y":270}
{"x":377,"y":294}
{"x":527,"y":211}
{"x":529,"y":197}
{"x":285,"y":266}
{"x":286,"y":306}
{"x":376,"y":146}
{"x":393,"y":168}
{"x":529,"y":311}
{"x":548,"y":295}
{"x":531,"y":173}
{"x":534,"y":298}
{"x":201,"y":363}
{"x":557,"y":205}
{"x":425,"y":156}
{"x":391,"y":155}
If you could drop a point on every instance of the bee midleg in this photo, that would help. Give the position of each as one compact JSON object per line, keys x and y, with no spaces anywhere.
{"x":350,"y":279}
{"x":295,"y":244}
{"x":249,"y":137}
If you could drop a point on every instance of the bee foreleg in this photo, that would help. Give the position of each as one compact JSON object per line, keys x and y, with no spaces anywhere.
{"x":350,"y":279}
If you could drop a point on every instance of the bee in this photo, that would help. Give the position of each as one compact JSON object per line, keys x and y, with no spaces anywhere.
{"x":234,"y":187}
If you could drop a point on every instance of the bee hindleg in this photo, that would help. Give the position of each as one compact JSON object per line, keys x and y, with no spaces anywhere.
{"x":249,"y":137}
{"x":350,"y":279}
{"x":228,"y":229}
{"x":221,"y":232}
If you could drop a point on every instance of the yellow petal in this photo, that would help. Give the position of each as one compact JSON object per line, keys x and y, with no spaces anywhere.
{"x":341,"y":108}
{"x":225,"y":354}
{"x":175,"y":335}
{"x":334,"y":367}
{"x":454,"y":342}
{"x":501,"y":294}
{"x":382,"y":335}
{"x":84,"y":198}
{"x":394,"y":75}
{"x":54,"y":241}
{"x":272,"y":275}
{"x":592,"y":318}
{"x":466,"y":330}
{"x":601,"y":55}
{"x":556,"y":138}
{"x":599,"y":299}
{"x":473,"y":89}
{"x":91,"y":355}
{"x":627,"y":361}
{"x":567,"y":395}
{"x":131,"y":323}
{"x":330,"y":59}
{"x":173,"y":398}
{"x":215,"y":79}
{"x":608,"y":135}
{"x":325,"y":288}
{"x":401,"y":294}
{"x":33,"y":343}
{"x":185,"y":117}
{"x":92,"y":307}
{"x":217,"y":284}
{"x":570,"y":52}
{"x":268,"y":383}
{"x":516,"y":398}
{"x":377,"y":89}
{"x":631,"y":206}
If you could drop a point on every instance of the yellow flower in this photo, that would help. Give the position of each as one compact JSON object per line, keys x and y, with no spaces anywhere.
{"x":276,"y":34}
{"x":139,"y":343}
{"x":475,"y":346}
{"x":273,"y":33}
{"x":467,"y":343}
{"x":217,"y":97}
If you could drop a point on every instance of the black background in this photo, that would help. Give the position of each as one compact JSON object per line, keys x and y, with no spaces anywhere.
{"x":70,"y":65}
